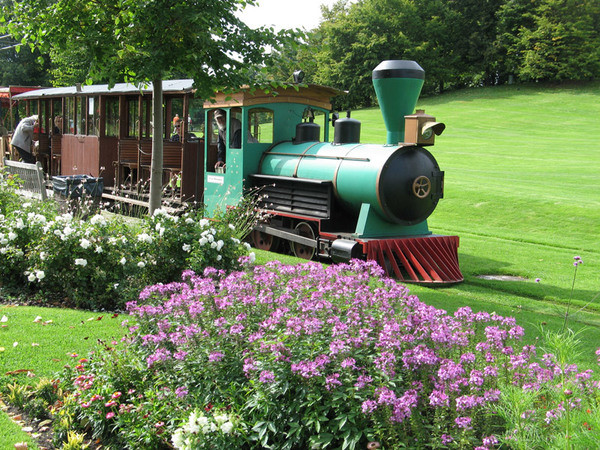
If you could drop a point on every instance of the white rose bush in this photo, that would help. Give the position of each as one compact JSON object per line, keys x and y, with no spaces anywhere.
{"x":101,"y":263}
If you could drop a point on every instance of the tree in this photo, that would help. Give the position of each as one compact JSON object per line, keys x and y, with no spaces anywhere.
{"x":356,"y":37}
{"x":562,"y":42}
{"x":145,"y":41}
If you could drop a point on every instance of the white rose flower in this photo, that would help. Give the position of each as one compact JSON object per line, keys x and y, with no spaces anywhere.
{"x":252,"y":257}
{"x":219,"y":257}
{"x":40,"y":275}
{"x":203,"y":241}
{"x":177,"y":439}
{"x":232,"y":227}
{"x":141,"y":264}
{"x":213,"y":244}
{"x":12,"y":235}
{"x":81,"y":262}
{"x":98,"y":220}
{"x":31,"y":277}
{"x":189,"y":220}
{"x":19,"y":224}
{"x":221,"y":418}
{"x":98,"y":249}
{"x":123,"y":261}
{"x":144,"y":237}
{"x":186,"y":247}
{"x":227,"y":427}
{"x":85,"y":243}
{"x":203,"y":222}
{"x":247,"y":246}
{"x":220,"y":245}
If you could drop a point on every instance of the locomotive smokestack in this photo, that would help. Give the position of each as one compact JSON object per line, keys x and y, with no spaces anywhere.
{"x":397,"y":84}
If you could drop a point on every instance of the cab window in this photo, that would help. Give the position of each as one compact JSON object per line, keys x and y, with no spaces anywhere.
{"x":260,"y":126}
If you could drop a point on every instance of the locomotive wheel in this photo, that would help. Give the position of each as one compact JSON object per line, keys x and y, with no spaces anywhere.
{"x":300,"y":250}
{"x":264,"y":241}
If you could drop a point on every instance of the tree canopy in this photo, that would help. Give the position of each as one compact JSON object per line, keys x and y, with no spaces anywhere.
{"x":458,"y":43}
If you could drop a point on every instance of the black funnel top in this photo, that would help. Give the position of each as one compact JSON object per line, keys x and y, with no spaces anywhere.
{"x":398,"y":69}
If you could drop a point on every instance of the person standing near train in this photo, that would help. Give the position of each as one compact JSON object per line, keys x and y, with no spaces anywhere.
{"x":235,"y":135}
{"x":23,"y":138}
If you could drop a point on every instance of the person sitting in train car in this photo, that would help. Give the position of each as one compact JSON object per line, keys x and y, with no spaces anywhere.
{"x":235,"y":135}
{"x":58,"y":124}
{"x":23,"y":138}
{"x":175,"y":137}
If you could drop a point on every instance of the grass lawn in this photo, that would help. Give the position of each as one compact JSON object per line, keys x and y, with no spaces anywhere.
{"x":43,"y":341}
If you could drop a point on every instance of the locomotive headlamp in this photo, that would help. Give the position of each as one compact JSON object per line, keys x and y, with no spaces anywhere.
{"x":432,"y":127}
{"x":422,"y":128}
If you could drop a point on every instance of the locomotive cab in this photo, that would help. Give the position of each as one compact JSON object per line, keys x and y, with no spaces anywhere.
{"x":265,"y":120}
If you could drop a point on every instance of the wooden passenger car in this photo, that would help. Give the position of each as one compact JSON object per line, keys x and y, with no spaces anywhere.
{"x":108,"y":133}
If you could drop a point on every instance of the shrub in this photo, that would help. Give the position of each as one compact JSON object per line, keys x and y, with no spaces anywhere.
{"x":307,"y":356}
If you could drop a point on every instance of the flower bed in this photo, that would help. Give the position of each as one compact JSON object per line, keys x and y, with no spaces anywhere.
{"x":313,"y":357}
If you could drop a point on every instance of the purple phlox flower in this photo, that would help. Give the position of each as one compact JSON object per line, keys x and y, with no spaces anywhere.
{"x":493,"y":395}
{"x":348,"y":363}
{"x":518,"y":360}
{"x":362,"y":381}
{"x":249,"y":365}
{"x":332,"y":380}
{"x":220,"y":322}
{"x":181,"y":355}
{"x":554,"y":414}
{"x":159,"y":355}
{"x":338,"y":346}
{"x":468,"y":402}
{"x":446,"y":439}
{"x":215,"y":356}
{"x":490,"y":371}
{"x":388,"y":337}
{"x":368,"y":406}
{"x":463,"y":422}
{"x":450,"y":370}
{"x":465,"y":313}
{"x":181,"y":391}
{"x":306,"y":369}
{"x":467,"y":358}
{"x":403,"y":406}
{"x":418,"y":356}
{"x":386,"y":362}
{"x":256,"y":336}
{"x":266,"y":376}
{"x":439,"y":398}
{"x":490,"y":440}
{"x":236,"y":329}
{"x":385,"y":396}
{"x":508,"y":350}
{"x":476,"y":378}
